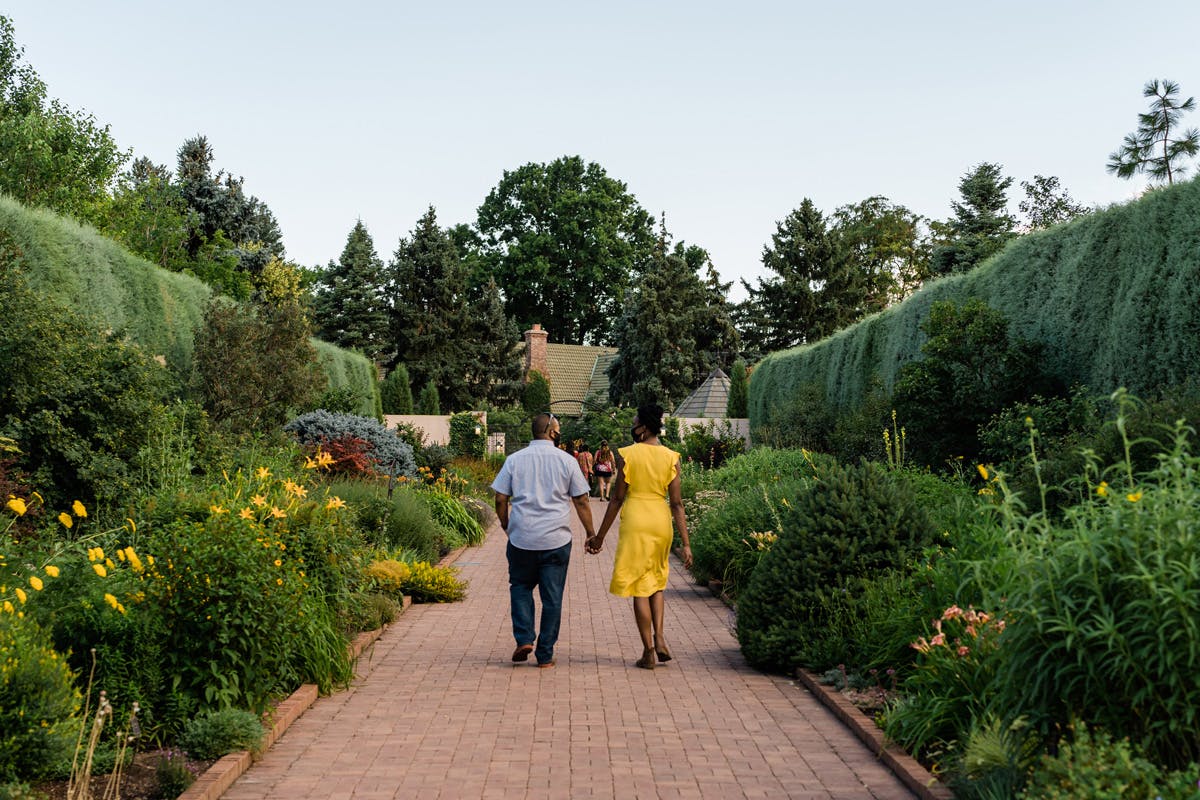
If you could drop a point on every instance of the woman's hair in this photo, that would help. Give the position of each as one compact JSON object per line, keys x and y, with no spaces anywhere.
{"x":651,"y":418}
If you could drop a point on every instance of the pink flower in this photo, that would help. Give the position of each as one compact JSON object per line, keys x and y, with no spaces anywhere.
{"x":952,"y":612}
{"x":962,"y":651}
{"x":938,"y":640}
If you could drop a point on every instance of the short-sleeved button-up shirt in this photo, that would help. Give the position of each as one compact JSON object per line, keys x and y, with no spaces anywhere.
{"x":540,"y":480}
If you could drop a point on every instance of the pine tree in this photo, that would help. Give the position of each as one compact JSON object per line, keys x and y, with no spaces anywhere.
{"x":349,"y":307}
{"x":535,"y":398}
{"x":395,"y":392}
{"x":427,"y":401}
{"x":981,"y":225}
{"x":493,"y":365}
{"x":431,"y":318}
{"x":739,"y":392}
{"x":1152,"y":149}
{"x":812,"y":293}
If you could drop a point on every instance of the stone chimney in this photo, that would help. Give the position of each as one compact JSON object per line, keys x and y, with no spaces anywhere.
{"x":535,"y":350}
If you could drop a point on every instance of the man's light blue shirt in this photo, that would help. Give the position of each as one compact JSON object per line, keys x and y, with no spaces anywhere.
{"x":540,"y":480}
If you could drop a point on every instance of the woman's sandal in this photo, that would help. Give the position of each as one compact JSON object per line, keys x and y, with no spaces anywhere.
{"x":647,"y":659}
{"x":662,"y":651}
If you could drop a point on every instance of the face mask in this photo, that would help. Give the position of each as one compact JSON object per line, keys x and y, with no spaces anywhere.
{"x":555,"y":436}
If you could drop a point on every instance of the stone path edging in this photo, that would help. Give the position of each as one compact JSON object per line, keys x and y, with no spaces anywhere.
{"x":221,"y":775}
{"x":907,"y":769}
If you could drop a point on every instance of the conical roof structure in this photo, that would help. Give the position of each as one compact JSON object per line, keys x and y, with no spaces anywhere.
{"x":710,"y":398}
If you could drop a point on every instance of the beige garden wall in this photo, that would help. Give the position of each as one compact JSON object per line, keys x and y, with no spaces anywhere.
{"x":435,"y":426}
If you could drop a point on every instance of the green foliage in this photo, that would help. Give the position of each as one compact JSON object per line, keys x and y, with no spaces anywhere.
{"x":450,"y":513}
{"x":981,"y":224}
{"x":403,"y":521}
{"x":599,"y":424}
{"x":670,"y":333}
{"x":80,"y":402}
{"x":711,"y":444}
{"x":353,"y":372}
{"x":53,"y":156}
{"x":1094,"y":765}
{"x":513,"y":423}
{"x":389,"y":454}
{"x":1106,"y":608}
{"x":1158,"y":148}
{"x":38,"y":701}
{"x":971,"y":369}
{"x":535,"y":398}
{"x":173,"y":773}
{"x":349,"y":308}
{"x":1130,"y":269}
{"x":995,"y":760}
{"x":563,"y":239}
{"x":468,"y":435}
{"x":428,"y":402}
{"x":255,"y":366}
{"x":218,"y":733}
{"x":852,"y":523}
{"x":396,"y":391}
{"x":739,"y":387}
{"x":1046,"y":204}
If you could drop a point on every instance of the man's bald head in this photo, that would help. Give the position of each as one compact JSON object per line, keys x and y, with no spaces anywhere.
{"x":544,"y":425}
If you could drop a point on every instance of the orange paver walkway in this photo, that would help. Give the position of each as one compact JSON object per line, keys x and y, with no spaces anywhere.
{"x":439,"y":711}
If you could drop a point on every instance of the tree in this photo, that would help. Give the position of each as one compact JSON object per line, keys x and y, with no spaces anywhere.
{"x":49,"y":155}
{"x":396,"y":392}
{"x":739,"y":391}
{"x":981,"y":225}
{"x":431,"y":321}
{"x":492,"y":372}
{"x":564,"y":240}
{"x":810,"y":294}
{"x":255,"y":365}
{"x":428,"y":401}
{"x":1152,"y":149}
{"x":1047,"y":204}
{"x":535,"y":398}
{"x":670,"y":312}
{"x":349,"y":305}
{"x":149,"y":216}
{"x":885,"y":246}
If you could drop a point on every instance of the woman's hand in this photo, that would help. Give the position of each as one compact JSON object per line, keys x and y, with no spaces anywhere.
{"x":687,"y":556}
{"x":594,"y":544}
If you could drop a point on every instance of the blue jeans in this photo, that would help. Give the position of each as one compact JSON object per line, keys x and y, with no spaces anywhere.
{"x":547,"y":570}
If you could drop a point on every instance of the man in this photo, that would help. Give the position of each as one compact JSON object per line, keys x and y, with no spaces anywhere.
{"x":534,"y":492}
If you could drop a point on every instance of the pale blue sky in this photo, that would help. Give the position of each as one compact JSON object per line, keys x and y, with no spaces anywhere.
{"x":723,"y":115}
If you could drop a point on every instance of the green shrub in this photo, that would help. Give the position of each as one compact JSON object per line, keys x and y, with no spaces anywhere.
{"x":403,"y":522}
{"x":395,"y":391}
{"x":452,"y":515}
{"x":428,"y":402}
{"x":467,"y":435}
{"x":390,"y":455}
{"x":535,"y":397}
{"x":370,"y":611}
{"x":435,"y":458}
{"x":710,"y":445}
{"x":1091,"y":764}
{"x":174,"y":774}
{"x":804,"y":418}
{"x":219,"y":733}
{"x":852,"y":523}
{"x":1105,"y":607}
{"x":38,"y":701}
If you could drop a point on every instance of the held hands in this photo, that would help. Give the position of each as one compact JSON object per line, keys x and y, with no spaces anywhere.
{"x":594,"y":543}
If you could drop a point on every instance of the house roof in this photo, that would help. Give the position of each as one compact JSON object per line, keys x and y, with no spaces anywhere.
{"x":710,"y":399}
{"x":575,"y":373}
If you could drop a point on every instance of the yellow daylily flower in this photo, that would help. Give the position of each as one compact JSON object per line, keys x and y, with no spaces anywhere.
{"x":66,"y":520}
{"x":258,"y":500}
{"x":120,"y":555}
{"x":246,"y":513}
{"x":79,"y":510}
{"x":52,"y":570}
{"x":309,"y":463}
{"x":278,"y":513}
{"x":983,"y":471}
{"x":100,"y":570}
{"x":1102,"y":489}
{"x":262,"y":472}
{"x":218,"y":509}
{"x":21,"y":595}
{"x":1133,"y":497}
{"x":323,"y":458}
{"x":278,"y":562}
{"x":17,"y":506}
{"x":35,"y":582}
{"x":111,"y":600}
{"x":8,"y":606}
{"x":335,"y":502}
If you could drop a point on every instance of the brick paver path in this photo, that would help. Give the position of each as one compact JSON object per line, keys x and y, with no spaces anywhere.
{"x":439,"y":711}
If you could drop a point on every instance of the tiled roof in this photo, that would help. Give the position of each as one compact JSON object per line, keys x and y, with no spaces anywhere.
{"x":573,"y":375}
{"x":709,"y":400}
{"x":598,"y":385}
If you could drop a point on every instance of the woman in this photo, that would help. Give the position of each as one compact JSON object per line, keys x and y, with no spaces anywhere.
{"x":647,"y":475}
{"x":606,"y":467}
{"x":584,"y":458}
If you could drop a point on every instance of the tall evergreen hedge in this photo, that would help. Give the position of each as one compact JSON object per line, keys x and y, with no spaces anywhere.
{"x":1114,"y":296}
{"x":158,"y":309}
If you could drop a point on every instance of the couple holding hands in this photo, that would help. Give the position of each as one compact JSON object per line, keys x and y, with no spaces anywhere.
{"x":534,"y":492}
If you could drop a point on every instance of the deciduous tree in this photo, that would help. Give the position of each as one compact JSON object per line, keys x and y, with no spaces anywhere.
{"x":1047,"y":204}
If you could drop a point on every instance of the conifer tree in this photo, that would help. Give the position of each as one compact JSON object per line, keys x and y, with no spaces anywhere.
{"x":349,"y":306}
{"x":1158,"y":147}
{"x":428,"y":401}
{"x":492,"y":371}
{"x":981,"y":225}
{"x":535,"y":398}
{"x":395,"y":392}
{"x":739,"y":392}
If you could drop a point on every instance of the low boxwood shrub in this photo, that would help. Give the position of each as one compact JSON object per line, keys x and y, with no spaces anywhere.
{"x":850,"y":524}
{"x":219,"y":733}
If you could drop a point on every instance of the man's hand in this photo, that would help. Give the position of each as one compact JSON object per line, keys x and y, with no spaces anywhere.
{"x":594,"y":544}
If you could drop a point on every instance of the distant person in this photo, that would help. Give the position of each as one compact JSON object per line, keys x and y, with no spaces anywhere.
{"x":584,"y":458}
{"x":534,"y":492}
{"x":648,"y":476}
{"x":605,"y":467}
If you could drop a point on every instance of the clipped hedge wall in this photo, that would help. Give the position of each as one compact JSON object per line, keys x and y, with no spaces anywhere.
{"x":1113,"y":296}
{"x":159,"y":309}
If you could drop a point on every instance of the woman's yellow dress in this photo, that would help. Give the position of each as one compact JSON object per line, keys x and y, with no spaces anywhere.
{"x":645,"y":534}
